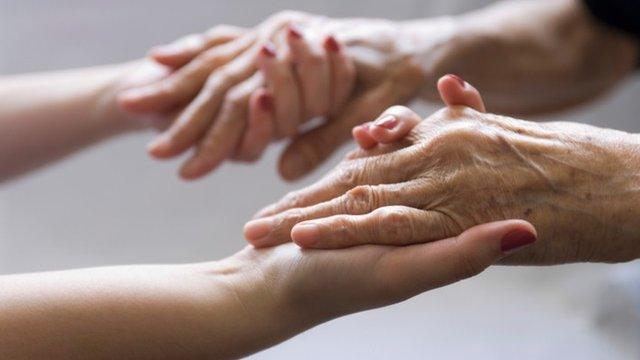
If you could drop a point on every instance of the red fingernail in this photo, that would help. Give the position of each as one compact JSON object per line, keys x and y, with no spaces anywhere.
{"x":387,"y":122}
{"x":268,"y":50}
{"x":459,"y":79}
{"x":266,"y":102}
{"x":332,"y":44}
{"x":295,"y":32}
{"x":517,"y":239}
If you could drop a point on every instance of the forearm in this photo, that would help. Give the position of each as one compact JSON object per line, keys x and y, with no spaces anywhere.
{"x":531,"y":57}
{"x":213,"y":310}
{"x":44,"y":117}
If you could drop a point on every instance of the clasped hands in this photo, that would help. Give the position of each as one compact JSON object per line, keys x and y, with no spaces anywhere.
{"x":420,"y":204}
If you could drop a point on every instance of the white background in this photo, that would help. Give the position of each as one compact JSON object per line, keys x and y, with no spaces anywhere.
{"x":113,"y":205}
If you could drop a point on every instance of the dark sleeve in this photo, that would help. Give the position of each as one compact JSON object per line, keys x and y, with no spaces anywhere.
{"x":621,"y":14}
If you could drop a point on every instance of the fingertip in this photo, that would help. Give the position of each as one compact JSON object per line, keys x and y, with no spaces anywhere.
{"x":454,"y":91}
{"x":361,"y":134}
{"x":331,"y":44}
{"x":195,"y":168}
{"x":160,"y":147}
{"x":295,"y":32}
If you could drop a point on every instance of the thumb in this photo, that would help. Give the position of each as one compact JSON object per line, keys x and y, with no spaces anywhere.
{"x":454,"y":92}
{"x":419,"y":268}
{"x":311,"y":149}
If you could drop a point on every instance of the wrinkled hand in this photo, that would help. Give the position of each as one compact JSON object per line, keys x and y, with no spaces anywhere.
{"x":461,"y":167}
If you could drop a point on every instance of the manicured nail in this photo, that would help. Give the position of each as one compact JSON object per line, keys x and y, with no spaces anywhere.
{"x":265,"y":102}
{"x":295,"y":32}
{"x":517,"y":239}
{"x":459,"y":79}
{"x":268,"y":50}
{"x":257,"y":229}
{"x":332,"y":44}
{"x":387,"y":122}
{"x":305,"y":234}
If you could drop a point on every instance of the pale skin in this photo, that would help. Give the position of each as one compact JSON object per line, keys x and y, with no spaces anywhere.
{"x":578,"y":184}
{"x":229,"y":308}
{"x":558,"y":54}
{"x":223,"y":309}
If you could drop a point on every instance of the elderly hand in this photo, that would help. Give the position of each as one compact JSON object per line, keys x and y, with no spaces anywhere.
{"x":461,"y":167}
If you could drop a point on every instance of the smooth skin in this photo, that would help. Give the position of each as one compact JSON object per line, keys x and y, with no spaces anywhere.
{"x":560,"y":56}
{"x":229,"y":308}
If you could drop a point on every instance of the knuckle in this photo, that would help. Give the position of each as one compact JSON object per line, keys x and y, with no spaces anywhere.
{"x":396,"y":223}
{"x":348,"y":175}
{"x":294,"y":199}
{"x":291,"y":217}
{"x":360,"y":199}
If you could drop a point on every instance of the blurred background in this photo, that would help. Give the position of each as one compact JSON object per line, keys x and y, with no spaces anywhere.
{"x":114,"y":205}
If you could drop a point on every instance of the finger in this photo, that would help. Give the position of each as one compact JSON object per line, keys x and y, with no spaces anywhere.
{"x":360,"y":134}
{"x":394,"y":124}
{"x":391,"y":225}
{"x":309,"y":150}
{"x":407,"y":271}
{"x":184,"y":84}
{"x":201,"y":112}
{"x":280,"y":81}
{"x":260,"y":127}
{"x":311,"y":68}
{"x":225,"y":134}
{"x":343,"y":74}
{"x":456,"y":92}
{"x":181,"y":51}
{"x":270,"y":231}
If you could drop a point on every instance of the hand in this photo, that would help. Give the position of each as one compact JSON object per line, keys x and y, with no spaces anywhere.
{"x":224,"y":78}
{"x":461,"y":167}
{"x":388,"y":72}
{"x":312,"y":286}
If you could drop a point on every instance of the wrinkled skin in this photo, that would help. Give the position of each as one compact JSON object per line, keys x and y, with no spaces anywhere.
{"x":579,"y":185}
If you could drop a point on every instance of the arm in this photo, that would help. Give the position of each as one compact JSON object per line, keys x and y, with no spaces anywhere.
{"x":232,"y":307}
{"x":530,"y":57}
{"x":44,"y":117}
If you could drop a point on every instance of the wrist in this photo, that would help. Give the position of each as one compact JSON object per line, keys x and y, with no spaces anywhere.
{"x":263,"y":315}
{"x":116,"y":79}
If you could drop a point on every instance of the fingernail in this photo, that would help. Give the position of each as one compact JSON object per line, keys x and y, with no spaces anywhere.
{"x":295,"y":32}
{"x":268,"y":50}
{"x":257,"y":229}
{"x":387,"y":122}
{"x":517,"y":239}
{"x":305,"y":234}
{"x":265,"y":102}
{"x":459,"y":79}
{"x":332,"y":44}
